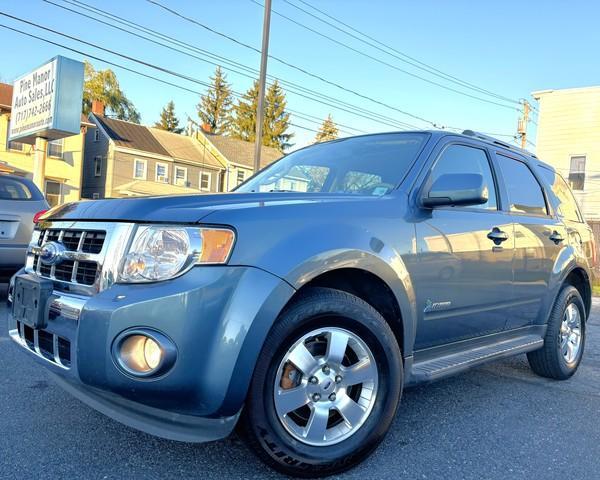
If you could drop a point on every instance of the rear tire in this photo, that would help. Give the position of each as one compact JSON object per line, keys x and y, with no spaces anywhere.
{"x":298,"y":443}
{"x":564,"y":342}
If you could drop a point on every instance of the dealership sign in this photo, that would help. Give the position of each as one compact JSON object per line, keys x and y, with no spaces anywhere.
{"x":47,"y":102}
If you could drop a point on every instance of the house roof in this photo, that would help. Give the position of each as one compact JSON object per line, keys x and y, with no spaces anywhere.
{"x":142,"y":187}
{"x":160,"y":142}
{"x":242,"y":152}
{"x":131,"y":135}
{"x":185,"y":148}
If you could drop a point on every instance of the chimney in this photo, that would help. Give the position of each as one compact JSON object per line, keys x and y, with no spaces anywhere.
{"x":98,"y":107}
{"x":206,"y":127}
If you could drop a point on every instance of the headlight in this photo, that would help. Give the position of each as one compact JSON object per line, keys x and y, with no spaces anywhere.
{"x":159,"y":253}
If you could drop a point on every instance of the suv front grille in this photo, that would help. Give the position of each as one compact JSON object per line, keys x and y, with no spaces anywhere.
{"x":90,"y":259}
{"x":64,"y":271}
{"x":77,"y":241}
{"x":93,"y":242}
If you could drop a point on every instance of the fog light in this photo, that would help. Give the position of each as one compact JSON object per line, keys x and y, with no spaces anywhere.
{"x":144,"y":353}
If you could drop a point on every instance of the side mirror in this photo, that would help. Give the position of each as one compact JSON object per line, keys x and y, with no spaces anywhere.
{"x":457,"y":189}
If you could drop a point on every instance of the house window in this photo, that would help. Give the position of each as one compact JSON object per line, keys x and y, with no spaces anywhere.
{"x":205,"y":181}
{"x":240,"y":176}
{"x":162,"y":172}
{"x":53,"y":193}
{"x":97,"y":166}
{"x":96,"y":134}
{"x":55,"y":148}
{"x":140,"y":169}
{"x":577,"y":172}
{"x":18,"y":146}
{"x":180,"y":176}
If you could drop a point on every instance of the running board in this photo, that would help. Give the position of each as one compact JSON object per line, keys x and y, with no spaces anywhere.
{"x":432,"y":369}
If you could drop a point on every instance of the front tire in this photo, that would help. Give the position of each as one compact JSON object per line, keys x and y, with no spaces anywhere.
{"x":564,"y":343}
{"x":326,"y":386}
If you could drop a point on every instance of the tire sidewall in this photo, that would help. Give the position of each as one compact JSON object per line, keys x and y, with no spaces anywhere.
{"x":306,"y":315}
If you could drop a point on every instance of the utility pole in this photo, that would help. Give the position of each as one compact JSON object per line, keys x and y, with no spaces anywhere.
{"x":523,"y":121}
{"x":260,"y":113}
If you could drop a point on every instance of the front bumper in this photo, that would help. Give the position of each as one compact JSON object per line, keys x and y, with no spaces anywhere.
{"x":217,"y":317}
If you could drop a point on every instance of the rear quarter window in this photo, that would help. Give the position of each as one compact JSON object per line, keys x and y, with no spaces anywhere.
{"x":567,"y":205}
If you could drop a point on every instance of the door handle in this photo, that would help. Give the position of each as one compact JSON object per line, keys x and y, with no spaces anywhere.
{"x":497,"y":236}
{"x":556,"y":237}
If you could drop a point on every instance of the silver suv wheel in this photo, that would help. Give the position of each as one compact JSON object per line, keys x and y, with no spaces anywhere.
{"x":570,"y":333}
{"x":325,"y":386}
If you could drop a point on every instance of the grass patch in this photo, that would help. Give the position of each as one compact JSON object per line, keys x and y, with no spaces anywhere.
{"x":596,"y":291}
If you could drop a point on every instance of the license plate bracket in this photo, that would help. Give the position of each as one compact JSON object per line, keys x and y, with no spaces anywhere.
{"x":31,"y":300}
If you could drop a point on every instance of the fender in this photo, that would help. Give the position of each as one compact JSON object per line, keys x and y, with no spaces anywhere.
{"x":566,"y":262}
{"x":387,"y":265}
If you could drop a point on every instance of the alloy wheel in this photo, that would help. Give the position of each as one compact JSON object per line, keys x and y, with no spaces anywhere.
{"x":325,"y":386}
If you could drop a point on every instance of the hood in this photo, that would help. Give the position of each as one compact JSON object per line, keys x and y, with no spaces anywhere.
{"x":180,"y":208}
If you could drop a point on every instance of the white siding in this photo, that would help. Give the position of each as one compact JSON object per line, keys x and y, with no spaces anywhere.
{"x":569,"y":125}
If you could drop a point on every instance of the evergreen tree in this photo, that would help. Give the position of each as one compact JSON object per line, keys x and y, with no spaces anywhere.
{"x":276,"y":120}
{"x":327,"y":131}
{"x":243,"y":124}
{"x":103,"y":85}
{"x":168,"y":120}
{"x":214,"y":108}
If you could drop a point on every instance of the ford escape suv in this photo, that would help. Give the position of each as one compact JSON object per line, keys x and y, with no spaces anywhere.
{"x":302,"y":304}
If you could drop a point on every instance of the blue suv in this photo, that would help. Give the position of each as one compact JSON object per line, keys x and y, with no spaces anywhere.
{"x":303,"y":303}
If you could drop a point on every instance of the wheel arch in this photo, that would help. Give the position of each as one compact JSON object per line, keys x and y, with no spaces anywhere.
{"x":579,"y":278}
{"x":371,"y":288}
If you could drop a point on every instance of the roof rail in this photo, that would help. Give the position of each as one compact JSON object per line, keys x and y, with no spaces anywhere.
{"x":488,"y":138}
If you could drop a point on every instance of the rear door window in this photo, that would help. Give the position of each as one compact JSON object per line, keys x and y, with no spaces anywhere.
{"x":525,"y":194}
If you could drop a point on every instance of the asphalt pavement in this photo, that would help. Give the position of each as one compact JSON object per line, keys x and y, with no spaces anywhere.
{"x":496,"y":421}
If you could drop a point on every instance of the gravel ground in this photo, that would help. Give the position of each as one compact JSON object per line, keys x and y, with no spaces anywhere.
{"x":496,"y":421}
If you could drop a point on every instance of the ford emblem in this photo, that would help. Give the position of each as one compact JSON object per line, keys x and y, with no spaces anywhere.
{"x":51,"y":253}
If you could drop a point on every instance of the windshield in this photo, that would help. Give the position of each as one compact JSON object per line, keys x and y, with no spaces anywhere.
{"x":368,"y":165}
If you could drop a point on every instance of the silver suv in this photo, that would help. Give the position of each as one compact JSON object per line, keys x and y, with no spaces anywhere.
{"x":20,"y":201}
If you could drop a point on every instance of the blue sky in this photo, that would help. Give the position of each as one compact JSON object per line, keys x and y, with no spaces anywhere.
{"x":511,"y":48}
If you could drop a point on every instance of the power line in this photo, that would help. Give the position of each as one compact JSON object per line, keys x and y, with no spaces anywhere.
{"x":378,"y":60}
{"x":304,"y":128}
{"x":164,"y":70}
{"x":295,"y":67}
{"x":85,"y":54}
{"x":117,"y":65}
{"x":403,"y":57}
{"x":292,"y":87}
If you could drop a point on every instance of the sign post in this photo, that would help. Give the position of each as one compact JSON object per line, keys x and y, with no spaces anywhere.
{"x":39,"y":163}
{"x":46,"y":105}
